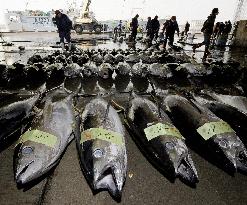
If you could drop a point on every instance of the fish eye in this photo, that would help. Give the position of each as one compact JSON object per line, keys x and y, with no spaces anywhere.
{"x":98,"y":153}
{"x":170,"y":145}
{"x":223,"y":143}
{"x":27,"y":150}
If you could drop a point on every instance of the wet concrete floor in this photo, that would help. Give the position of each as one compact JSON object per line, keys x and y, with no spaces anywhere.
{"x":144,"y":184}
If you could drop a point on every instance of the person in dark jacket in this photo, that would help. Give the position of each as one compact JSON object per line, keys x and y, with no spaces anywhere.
{"x":207,"y":30}
{"x":64,"y":25}
{"x":149,"y":27}
{"x":155,"y":25}
{"x":228,"y":27}
{"x":120,"y":27}
{"x":170,"y":26}
{"x":134,"y":25}
{"x":187,"y":28}
{"x":216,"y":29}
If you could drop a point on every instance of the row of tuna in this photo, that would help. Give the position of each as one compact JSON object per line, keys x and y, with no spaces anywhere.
{"x":161,"y":125}
{"x":103,"y":64}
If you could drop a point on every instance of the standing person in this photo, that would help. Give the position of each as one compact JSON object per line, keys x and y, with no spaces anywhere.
{"x":216,"y":29}
{"x":186,"y":28}
{"x":115,"y":32}
{"x":207,"y":30}
{"x":134,"y":25}
{"x":64,"y":25}
{"x":228,"y":27}
{"x":155,"y":25}
{"x":149,"y":27}
{"x":223,"y":36}
{"x":170,"y":26}
{"x":120,"y":28}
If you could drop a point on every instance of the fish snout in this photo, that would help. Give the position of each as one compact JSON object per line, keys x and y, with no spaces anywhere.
{"x":235,"y":152}
{"x":187,"y":171}
{"x":105,"y":75}
{"x":241,"y":160}
{"x":23,"y":173}
{"x":110,"y":178}
{"x":87,"y":72}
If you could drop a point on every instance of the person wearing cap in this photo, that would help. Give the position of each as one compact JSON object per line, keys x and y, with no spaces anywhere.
{"x":170,"y":26}
{"x":64,"y":25}
{"x":207,"y":30}
{"x":134,"y":25}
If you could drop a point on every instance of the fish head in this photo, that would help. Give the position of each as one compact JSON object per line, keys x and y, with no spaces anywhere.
{"x":105,"y":71}
{"x":87,"y":71}
{"x":233,"y":149}
{"x":109,"y":168}
{"x":181,"y":159}
{"x":30,"y":162}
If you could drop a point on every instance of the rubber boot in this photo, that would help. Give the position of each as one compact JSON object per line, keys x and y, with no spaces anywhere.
{"x":205,"y":55}
{"x":62,"y":46}
{"x":69,"y":44}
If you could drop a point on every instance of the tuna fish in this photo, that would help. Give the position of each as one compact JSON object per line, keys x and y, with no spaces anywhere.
{"x":72,"y":70}
{"x":61,"y":59}
{"x":160,"y":141}
{"x":154,"y":58}
{"x":123,"y":68}
{"x":83,"y":59}
{"x":35,"y":59}
{"x":230,"y":114}
{"x":224,"y":73}
{"x":109,"y":58}
{"x":121,"y":82}
{"x":133,"y":58}
{"x":140,"y":84}
{"x":15,"y":113}
{"x":55,"y":73}
{"x":238,"y":102}
{"x":106,"y":70}
{"x":139,"y":69}
{"x":90,"y":69}
{"x":100,"y":140}
{"x":208,"y":133}
{"x":54,"y":69}
{"x":36,"y":74}
{"x":119,"y":58}
{"x":16,"y":75}
{"x":97,"y":58}
{"x":144,"y":57}
{"x":192,"y":70}
{"x":41,"y":147}
{"x":159,"y":70}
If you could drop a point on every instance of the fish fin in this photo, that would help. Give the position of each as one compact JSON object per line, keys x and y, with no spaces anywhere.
{"x":71,"y":137}
{"x":117,"y":106}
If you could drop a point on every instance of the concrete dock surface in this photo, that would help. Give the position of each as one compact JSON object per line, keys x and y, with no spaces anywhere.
{"x":144,"y":184}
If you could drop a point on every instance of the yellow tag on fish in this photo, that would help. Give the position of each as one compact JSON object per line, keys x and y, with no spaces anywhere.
{"x":210,"y":129}
{"x":103,"y":134}
{"x":39,"y":137}
{"x":159,"y":129}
